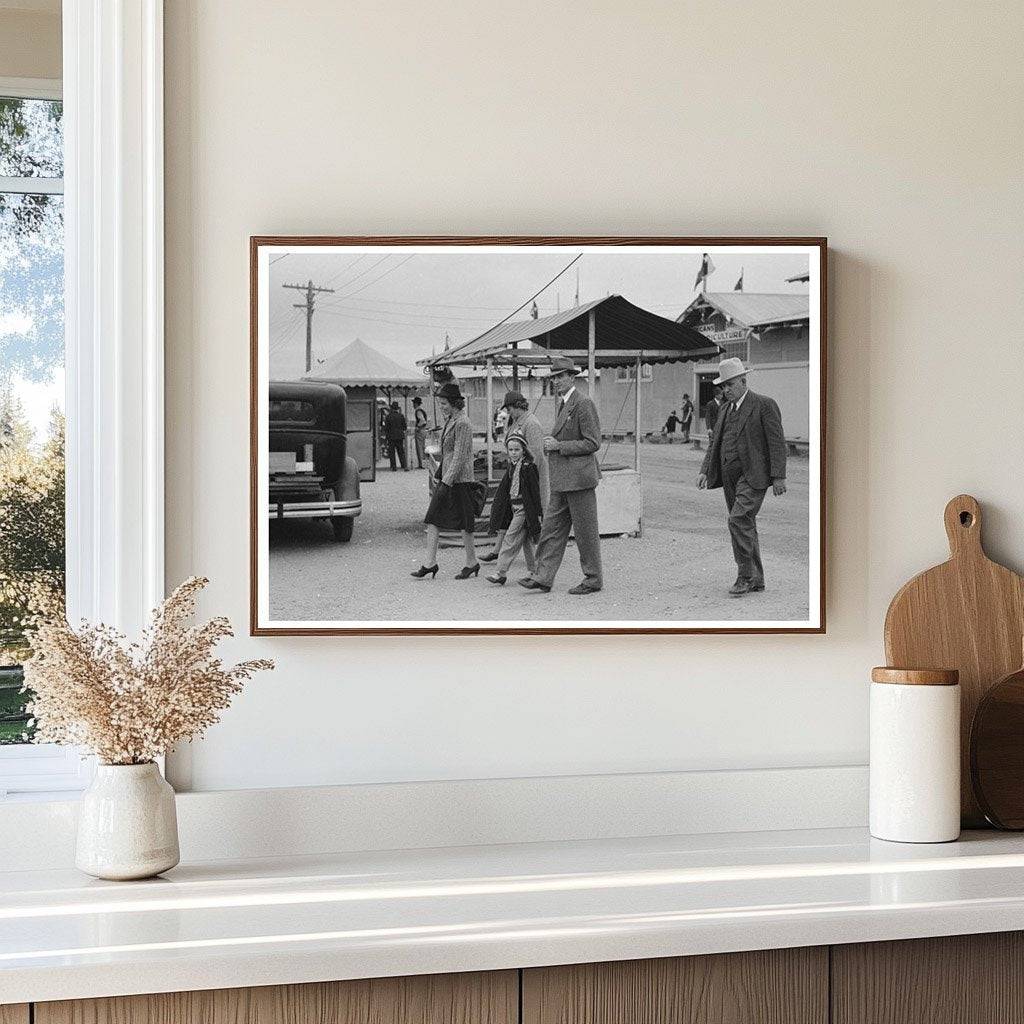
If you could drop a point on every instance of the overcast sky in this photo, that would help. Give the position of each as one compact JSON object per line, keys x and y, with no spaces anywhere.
{"x":402,"y":304}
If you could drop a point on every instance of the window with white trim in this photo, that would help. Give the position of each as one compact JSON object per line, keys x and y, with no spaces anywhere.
{"x":32,"y":488}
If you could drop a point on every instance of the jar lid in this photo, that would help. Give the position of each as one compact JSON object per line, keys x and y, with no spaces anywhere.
{"x":916,"y":676}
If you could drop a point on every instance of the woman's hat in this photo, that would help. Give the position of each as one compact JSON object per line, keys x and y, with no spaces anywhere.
{"x":449,"y":391}
{"x":728,"y":369}
{"x":514,"y":399}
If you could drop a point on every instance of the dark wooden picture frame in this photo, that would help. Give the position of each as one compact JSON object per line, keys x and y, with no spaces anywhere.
{"x":816,"y":623}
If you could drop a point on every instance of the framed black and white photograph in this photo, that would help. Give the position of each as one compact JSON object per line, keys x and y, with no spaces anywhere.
{"x":537,"y":435}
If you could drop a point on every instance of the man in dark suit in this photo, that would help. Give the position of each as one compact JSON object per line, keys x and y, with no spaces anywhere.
{"x":573,"y":475}
{"x":711,"y":411}
{"x":747,"y":455}
{"x":395,"y":428}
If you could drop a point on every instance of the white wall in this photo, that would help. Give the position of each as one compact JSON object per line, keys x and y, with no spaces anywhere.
{"x":30,"y":39}
{"x":895,"y":129}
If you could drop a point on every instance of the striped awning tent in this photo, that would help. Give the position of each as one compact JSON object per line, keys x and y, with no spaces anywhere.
{"x":622,"y":333}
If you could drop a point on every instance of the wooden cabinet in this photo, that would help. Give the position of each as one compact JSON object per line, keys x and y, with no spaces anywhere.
{"x":962,"y":979}
{"x":970,"y":979}
{"x":777,"y":986}
{"x":483,"y":998}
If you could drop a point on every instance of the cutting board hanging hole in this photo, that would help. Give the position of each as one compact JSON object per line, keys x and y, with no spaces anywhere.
{"x":963,"y":526}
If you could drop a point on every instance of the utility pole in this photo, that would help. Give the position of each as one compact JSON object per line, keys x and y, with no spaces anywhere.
{"x":309,"y":305}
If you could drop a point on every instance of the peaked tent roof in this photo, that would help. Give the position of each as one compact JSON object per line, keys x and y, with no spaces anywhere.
{"x":358,"y":363}
{"x":754,"y":309}
{"x":622,"y":332}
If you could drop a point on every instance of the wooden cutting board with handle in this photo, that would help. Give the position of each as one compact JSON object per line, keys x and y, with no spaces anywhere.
{"x":967,"y":614}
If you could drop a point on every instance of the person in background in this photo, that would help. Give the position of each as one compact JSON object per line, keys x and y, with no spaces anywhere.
{"x":670,"y":425}
{"x":516,"y":510}
{"x":419,"y":433}
{"x":711,"y":411}
{"x":395,"y":429}
{"x":572,"y":449}
{"x":686,"y":417}
{"x":452,"y":506}
{"x":500,"y":421}
{"x":523,"y":422}
{"x":747,"y":455}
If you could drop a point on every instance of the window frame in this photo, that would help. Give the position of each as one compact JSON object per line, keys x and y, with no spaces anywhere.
{"x":112,"y":90}
{"x":38,"y":768}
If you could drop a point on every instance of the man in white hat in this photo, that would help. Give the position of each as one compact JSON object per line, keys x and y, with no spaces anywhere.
{"x":747,"y":455}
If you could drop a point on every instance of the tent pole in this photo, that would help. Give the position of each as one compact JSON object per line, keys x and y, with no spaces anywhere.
{"x":636,"y":419}
{"x":406,"y":441}
{"x":489,"y":424}
{"x":592,"y":381}
{"x":515,"y":367}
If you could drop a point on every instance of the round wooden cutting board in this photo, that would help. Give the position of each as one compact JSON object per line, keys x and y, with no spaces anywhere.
{"x":967,"y":614}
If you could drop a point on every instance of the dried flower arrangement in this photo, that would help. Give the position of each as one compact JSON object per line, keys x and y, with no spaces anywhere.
{"x":130,"y":703}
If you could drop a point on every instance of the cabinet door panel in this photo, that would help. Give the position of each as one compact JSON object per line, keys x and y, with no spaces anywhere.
{"x":14,"y":1013}
{"x":778,"y":986}
{"x":960,"y":979}
{"x":481,"y":998}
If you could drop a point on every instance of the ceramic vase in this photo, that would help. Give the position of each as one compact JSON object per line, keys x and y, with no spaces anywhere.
{"x":127,"y":825}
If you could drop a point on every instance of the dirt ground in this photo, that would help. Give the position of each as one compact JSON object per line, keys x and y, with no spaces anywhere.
{"x":679,"y":570}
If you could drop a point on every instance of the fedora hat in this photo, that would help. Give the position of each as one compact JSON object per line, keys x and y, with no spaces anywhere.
{"x":563,"y":364}
{"x":729,"y":369}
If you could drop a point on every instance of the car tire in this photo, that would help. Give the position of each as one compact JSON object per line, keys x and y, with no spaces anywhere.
{"x":342,"y":526}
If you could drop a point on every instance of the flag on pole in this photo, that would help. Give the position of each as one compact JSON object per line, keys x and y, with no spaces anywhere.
{"x":534,"y":312}
{"x":707,"y":268}
{"x":738,"y":287}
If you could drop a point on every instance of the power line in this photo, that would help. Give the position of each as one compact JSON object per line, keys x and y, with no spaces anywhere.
{"x":278,"y":344}
{"x":347,"y":268}
{"x":436,"y":305}
{"x":577,"y":257}
{"x":443,"y":317}
{"x":383,"y":320}
{"x":362,"y":273}
{"x":397,"y":266}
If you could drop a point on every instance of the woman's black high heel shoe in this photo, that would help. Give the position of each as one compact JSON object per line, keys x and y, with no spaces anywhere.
{"x":425,"y":570}
{"x":468,"y":570}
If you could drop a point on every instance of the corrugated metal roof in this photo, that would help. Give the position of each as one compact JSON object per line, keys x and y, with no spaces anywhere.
{"x":358,"y":363}
{"x":620,"y":327}
{"x":754,"y":309}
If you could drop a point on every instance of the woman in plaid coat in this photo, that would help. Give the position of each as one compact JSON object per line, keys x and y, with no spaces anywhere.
{"x":453,"y":505}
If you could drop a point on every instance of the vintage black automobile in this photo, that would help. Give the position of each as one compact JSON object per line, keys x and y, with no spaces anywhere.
{"x":311,"y":475}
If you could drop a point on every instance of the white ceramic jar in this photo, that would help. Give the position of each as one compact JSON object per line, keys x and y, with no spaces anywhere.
{"x":915,"y":755}
{"x":127,"y":824}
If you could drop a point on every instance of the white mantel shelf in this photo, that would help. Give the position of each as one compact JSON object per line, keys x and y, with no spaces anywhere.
{"x":267,"y":922}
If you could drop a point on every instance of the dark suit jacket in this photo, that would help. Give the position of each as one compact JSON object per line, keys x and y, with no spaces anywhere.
{"x":578,"y":431}
{"x":529,"y":491}
{"x":395,"y":426}
{"x":711,"y":411}
{"x":762,"y":445}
